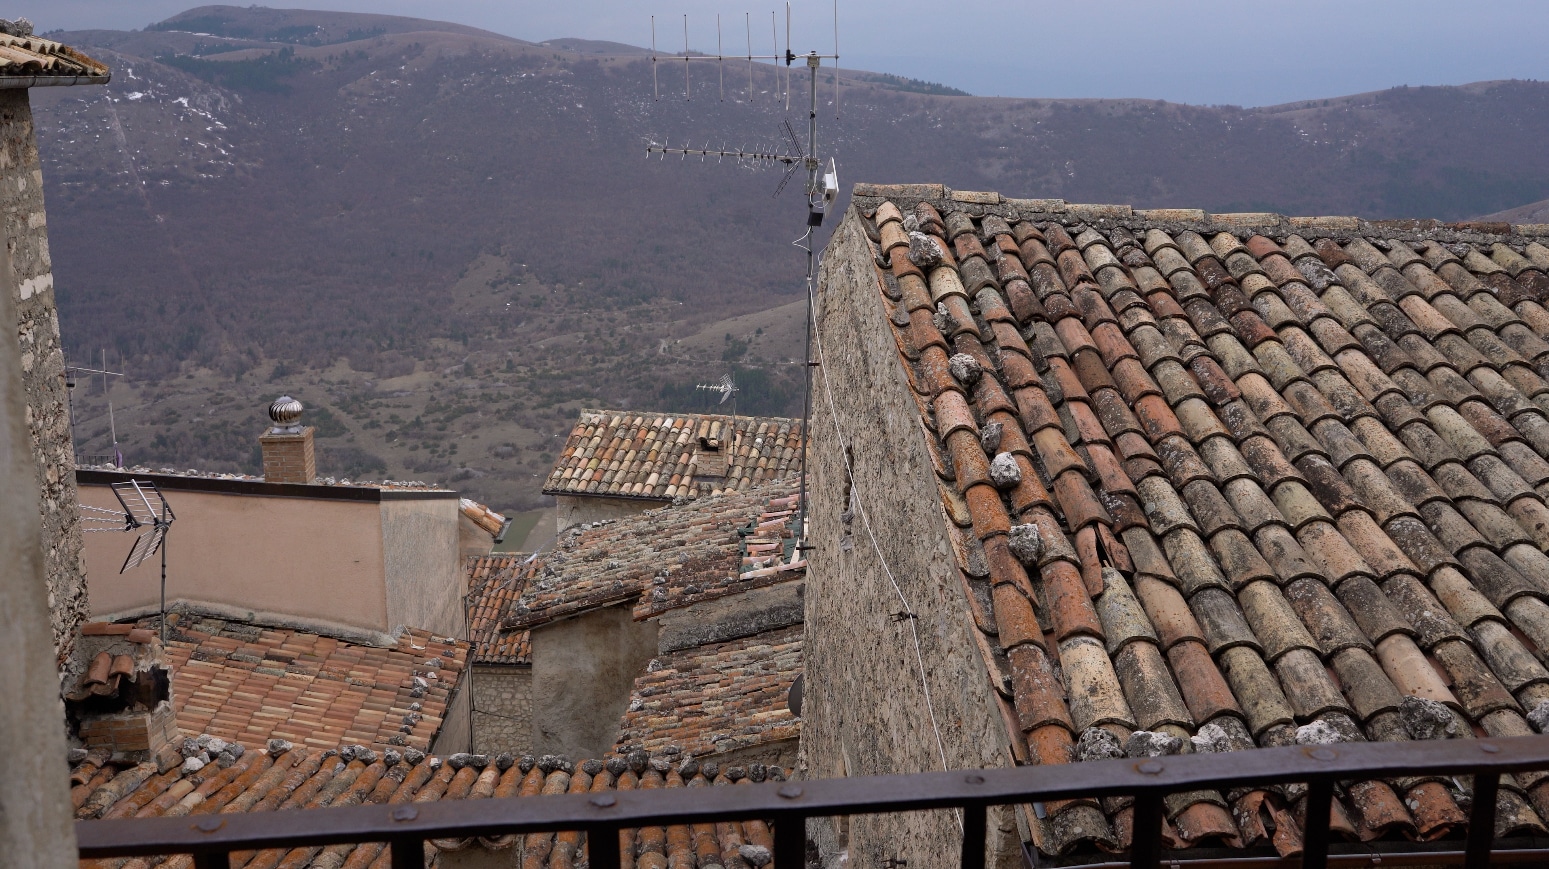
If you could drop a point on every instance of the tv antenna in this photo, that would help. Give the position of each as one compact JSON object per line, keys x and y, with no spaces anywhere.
{"x":143,"y":509}
{"x":822,"y":181}
{"x":727,"y":387}
{"x":822,"y":188}
{"x":72,"y":374}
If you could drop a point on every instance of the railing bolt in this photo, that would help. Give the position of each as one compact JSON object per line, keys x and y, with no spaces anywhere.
{"x":209,"y":824}
{"x":1149,"y":767}
{"x":405,"y":813}
{"x":1323,"y":753}
{"x":789,"y":791}
{"x":603,"y":801}
{"x":974,"y":778}
{"x":1489,"y":747}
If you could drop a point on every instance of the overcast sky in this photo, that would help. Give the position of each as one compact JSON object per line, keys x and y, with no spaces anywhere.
{"x":1246,"y":52}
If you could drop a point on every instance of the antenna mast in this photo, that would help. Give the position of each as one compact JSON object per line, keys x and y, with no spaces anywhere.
{"x":822,"y":188}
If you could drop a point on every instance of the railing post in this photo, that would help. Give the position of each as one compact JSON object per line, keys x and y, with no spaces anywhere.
{"x":1320,"y":802}
{"x":1481,"y":820}
{"x":408,"y":852}
{"x":973,"y":836}
{"x":790,"y":842}
{"x":1145,"y":850}
{"x":207,"y":860}
{"x":602,"y":847}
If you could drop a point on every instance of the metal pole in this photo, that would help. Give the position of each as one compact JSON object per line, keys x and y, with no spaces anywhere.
{"x":812,"y":129}
{"x":806,"y":398}
{"x":164,"y":571}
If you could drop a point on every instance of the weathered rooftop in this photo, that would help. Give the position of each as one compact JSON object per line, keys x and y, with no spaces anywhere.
{"x":31,"y":61}
{"x":1288,"y":480}
{"x":205,"y":777}
{"x":665,"y":558}
{"x":659,"y":456}
{"x":248,"y":684}
{"x":495,"y":581}
{"x":717,"y":698}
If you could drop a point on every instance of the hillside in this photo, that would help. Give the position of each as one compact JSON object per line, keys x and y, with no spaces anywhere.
{"x":448,"y":240}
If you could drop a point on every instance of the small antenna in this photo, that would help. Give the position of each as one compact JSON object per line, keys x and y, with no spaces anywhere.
{"x":726,"y":386}
{"x":72,"y":376}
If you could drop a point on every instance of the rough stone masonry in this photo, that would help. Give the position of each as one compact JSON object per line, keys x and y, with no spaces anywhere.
{"x":43,"y":375}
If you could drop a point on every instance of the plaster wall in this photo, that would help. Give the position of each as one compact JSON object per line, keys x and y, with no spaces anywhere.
{"x":502,"y":709}
{"x":313,"y":558}
{"x":577,"y":509}
{"x":582,"y":672}
{"x":472,"y":541}
{"x":456,"y":732}
{"x":424,"y":576}
{"x":865,"y":709}
{"x":31,"y":284}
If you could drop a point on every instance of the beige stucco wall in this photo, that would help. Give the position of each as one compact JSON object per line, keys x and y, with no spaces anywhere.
{"x":502,"y":713}
{"x":583,"y":669}
{"x":316,"y":559}
{"x":424,"y":575}
{"x":864,"y":709}
{"x":575,"y":509}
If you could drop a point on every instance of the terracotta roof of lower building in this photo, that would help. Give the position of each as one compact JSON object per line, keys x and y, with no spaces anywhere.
{"x":495,"y":581}
{"x":246,"y":683}
{"x":664,"y":558}
{"x":717,"y":698}
{"x":1225,"y":481}
{"x":206,"y":778}
{"x":664,"y":456}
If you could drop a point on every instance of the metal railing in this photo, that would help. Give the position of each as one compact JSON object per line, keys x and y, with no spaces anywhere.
{"x":602,"y":815}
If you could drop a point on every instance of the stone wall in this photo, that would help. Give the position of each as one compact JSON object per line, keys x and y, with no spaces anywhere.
{"x":42,"y":366}
{"x":502,"y":709}
{"x":865,"y":710}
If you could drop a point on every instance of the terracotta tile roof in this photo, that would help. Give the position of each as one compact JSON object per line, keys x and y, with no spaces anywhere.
{"x":717,"y":698}
{"x":282,"y":777}
{"x":663,"y":558}
{"x":622,"y":454}
{"x":247,"y":684}
{"x":1288,"y":477}
{"x":484,"y":517}
{"x":495,"y":581}
{"x":24,"y":59}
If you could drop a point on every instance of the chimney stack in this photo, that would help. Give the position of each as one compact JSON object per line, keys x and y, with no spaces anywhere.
{"x":287,"y":445}
{"x":123,"y":703}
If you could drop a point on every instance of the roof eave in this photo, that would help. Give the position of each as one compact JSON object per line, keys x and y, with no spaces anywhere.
{"x":43,"y":81}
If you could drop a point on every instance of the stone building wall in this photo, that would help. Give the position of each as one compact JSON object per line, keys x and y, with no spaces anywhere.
{"x":26,"y":237}
{"x":865,"y":711}
{"x":502,"y":709}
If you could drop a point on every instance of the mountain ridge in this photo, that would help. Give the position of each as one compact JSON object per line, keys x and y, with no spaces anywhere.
{"x":466,"y":218}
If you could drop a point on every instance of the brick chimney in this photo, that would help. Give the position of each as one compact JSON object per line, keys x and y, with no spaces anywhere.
{"x":123,"y":703}
{"x":287,"y":445}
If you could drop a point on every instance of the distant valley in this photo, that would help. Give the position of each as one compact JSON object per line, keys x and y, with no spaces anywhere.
{"x":447,"y":241}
